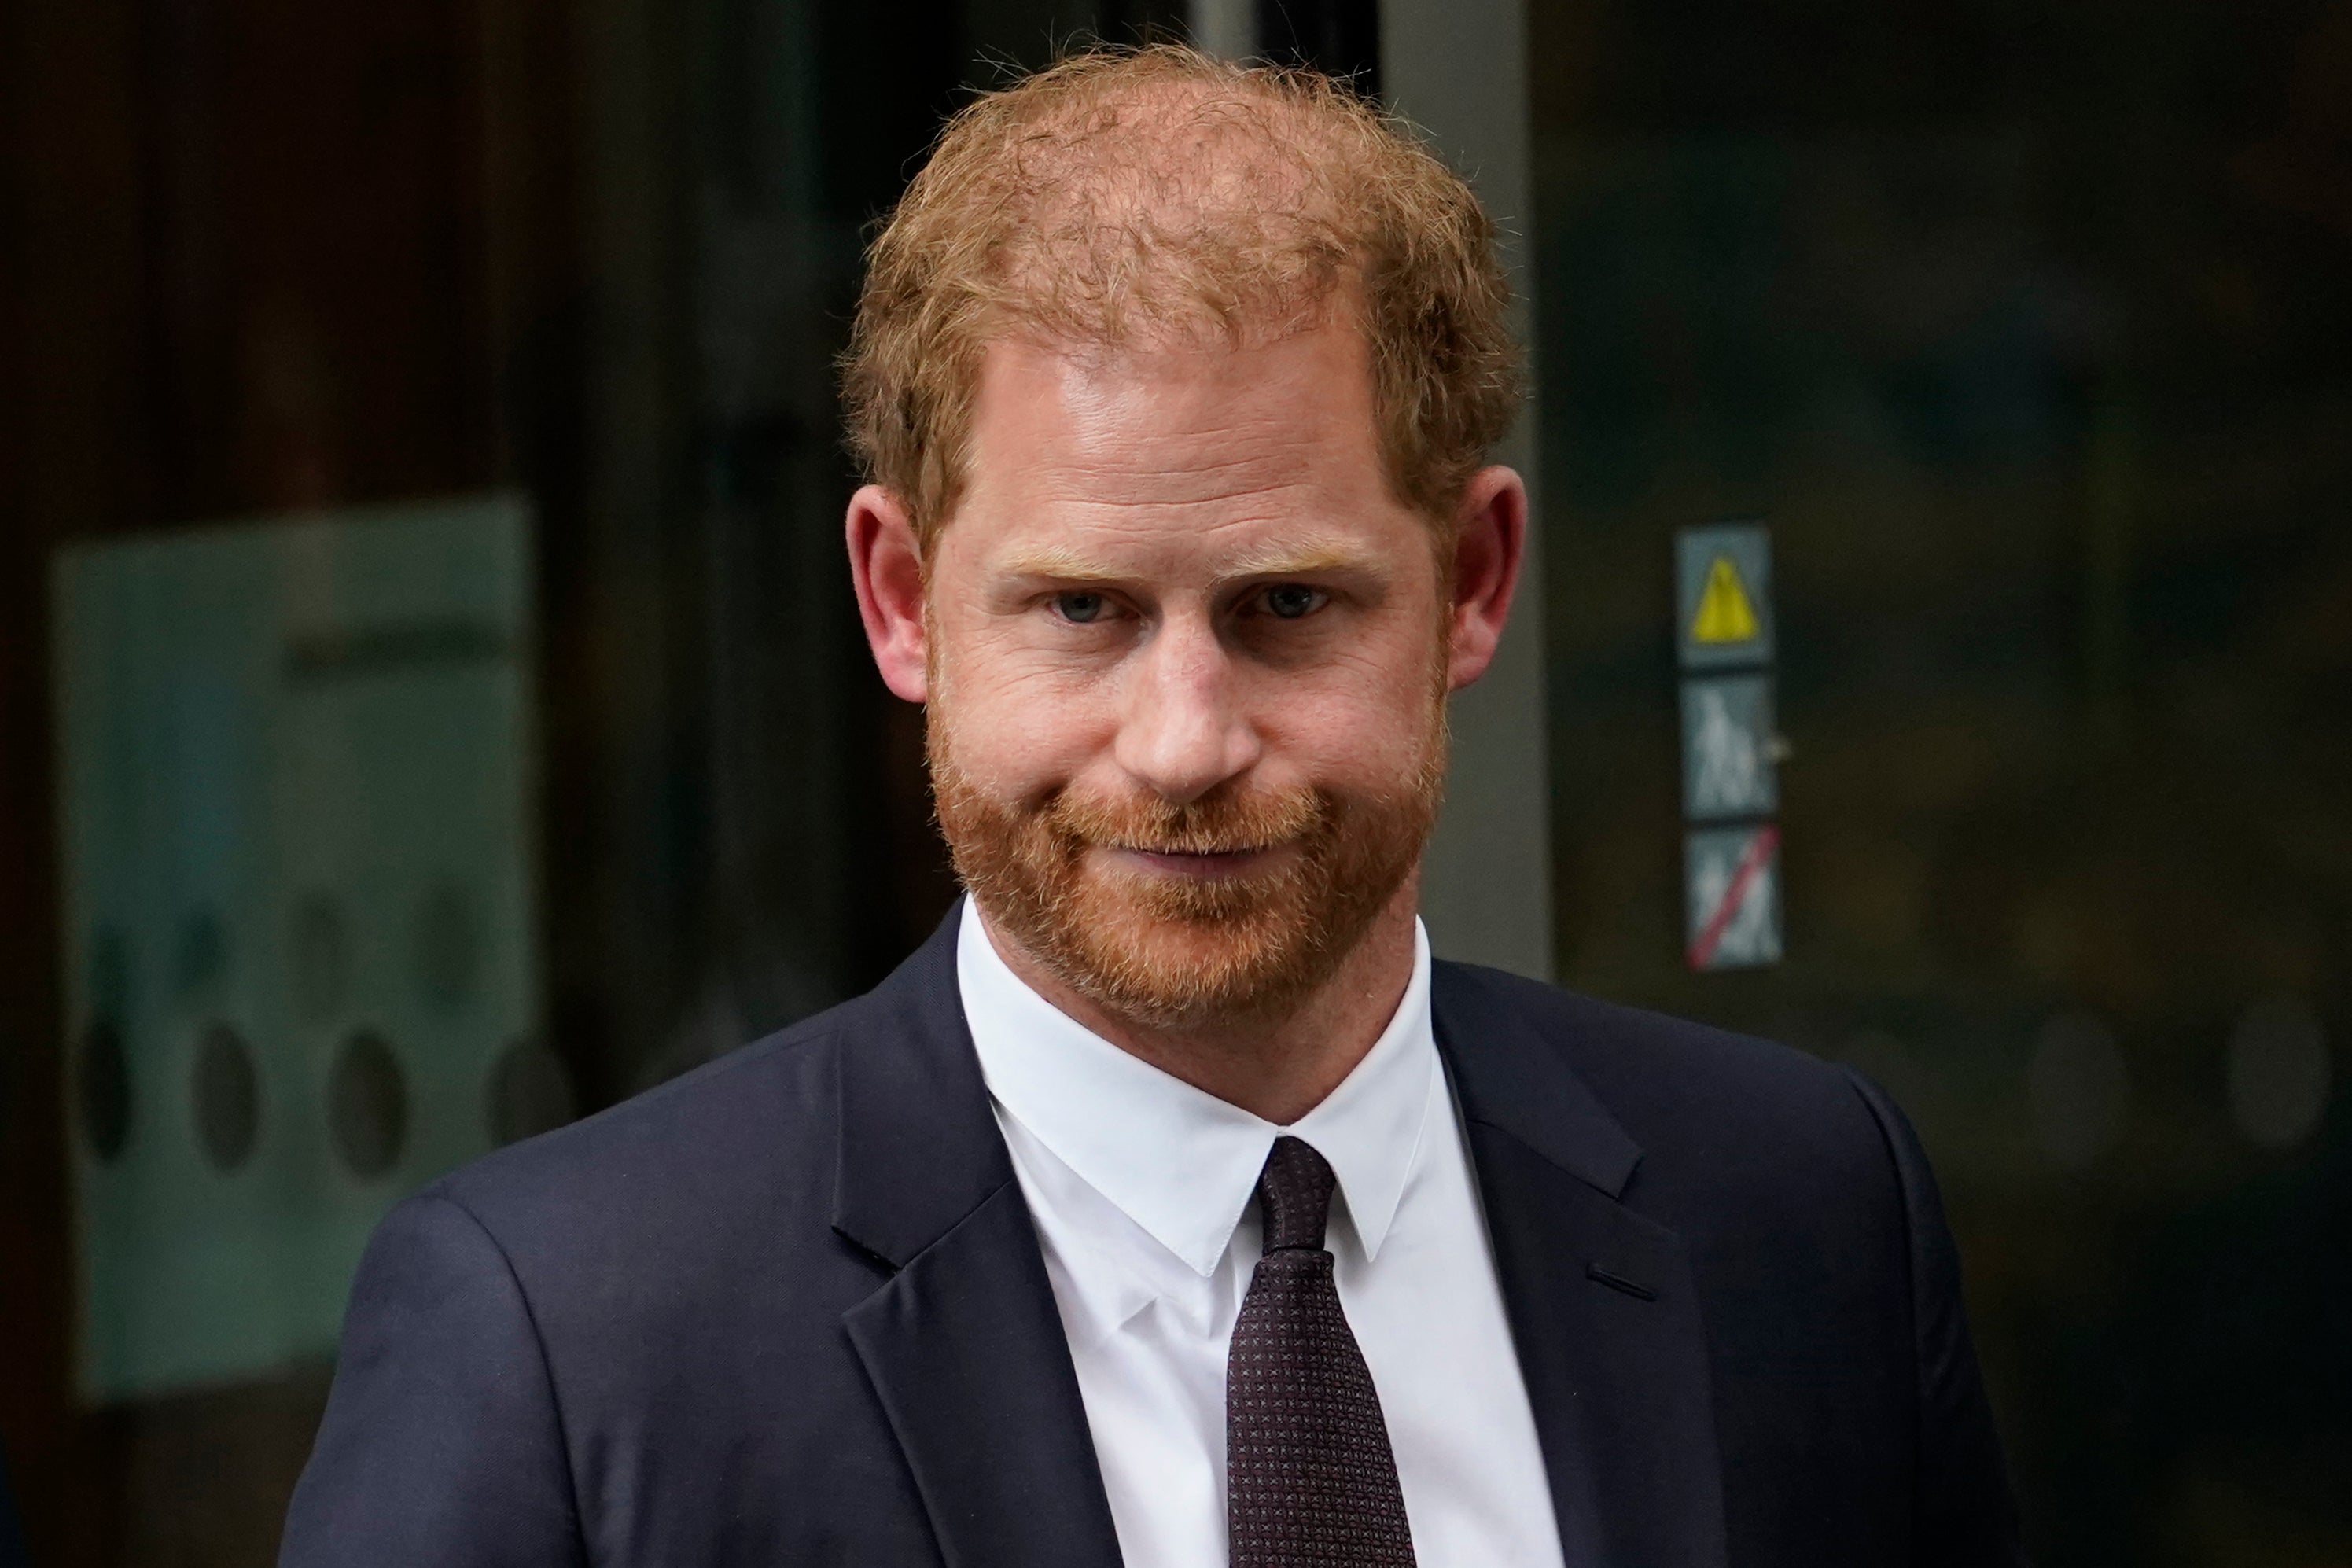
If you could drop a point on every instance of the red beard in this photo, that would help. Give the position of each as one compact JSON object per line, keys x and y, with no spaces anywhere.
{"x":1173,"y":951}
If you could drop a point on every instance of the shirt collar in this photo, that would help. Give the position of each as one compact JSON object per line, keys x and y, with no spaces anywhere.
{"x":1181,"y":1163}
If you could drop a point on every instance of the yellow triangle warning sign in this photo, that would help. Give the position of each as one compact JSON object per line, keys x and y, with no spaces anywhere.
{"x":1724,"y":613}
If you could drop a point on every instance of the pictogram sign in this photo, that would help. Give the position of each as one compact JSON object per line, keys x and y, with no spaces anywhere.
{"x":1725,"y":615}
{"x":1728,"y":748}
{"x":1734,"y":876}
{"x":1723,"y":595}
{"x":1731,"y":746}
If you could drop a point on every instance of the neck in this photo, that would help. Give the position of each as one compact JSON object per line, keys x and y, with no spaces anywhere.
{"x":1278,"y":1070}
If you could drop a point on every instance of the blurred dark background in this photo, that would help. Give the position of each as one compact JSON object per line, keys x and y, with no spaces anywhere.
{"x":2028,"y":328}
{"x":2031,"y":330}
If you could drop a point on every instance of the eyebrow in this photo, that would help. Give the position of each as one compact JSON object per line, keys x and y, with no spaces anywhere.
{"x":1299,"y":559}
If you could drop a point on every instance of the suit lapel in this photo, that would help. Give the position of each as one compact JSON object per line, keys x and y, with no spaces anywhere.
{"x":1602,"y":1308}
{"x":963,"y":1343}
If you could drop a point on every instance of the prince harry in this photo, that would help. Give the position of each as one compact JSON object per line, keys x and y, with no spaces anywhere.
{"x":1171,"y":1205}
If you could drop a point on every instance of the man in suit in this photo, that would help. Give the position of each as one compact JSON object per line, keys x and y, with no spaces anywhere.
{"x":1171,"y":1206}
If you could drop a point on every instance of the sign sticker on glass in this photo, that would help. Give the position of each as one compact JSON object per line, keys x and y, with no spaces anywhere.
{"x":299,"y":843}
{"x":1734,"y":876}
{"x":1731,"y":746}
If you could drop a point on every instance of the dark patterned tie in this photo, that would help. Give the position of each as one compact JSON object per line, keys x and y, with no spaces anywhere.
{"x":1310,"y":1481}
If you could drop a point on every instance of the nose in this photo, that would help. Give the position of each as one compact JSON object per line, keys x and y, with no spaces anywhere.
{"x":1183,"y":731}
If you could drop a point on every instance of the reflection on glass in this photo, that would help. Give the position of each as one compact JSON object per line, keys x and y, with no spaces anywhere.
{"x":295,"y":766}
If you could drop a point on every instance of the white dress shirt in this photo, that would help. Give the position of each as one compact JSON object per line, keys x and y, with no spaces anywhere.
{"x":1142,"y":1189}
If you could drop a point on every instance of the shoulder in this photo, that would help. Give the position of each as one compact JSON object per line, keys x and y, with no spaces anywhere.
{"x":1705,"y":1105}
{"x":1644,"y":1063}
{"x":742,"y":1142}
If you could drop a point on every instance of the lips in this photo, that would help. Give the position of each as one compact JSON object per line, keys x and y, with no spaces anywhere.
{"x":1191,"y":862}
{"x":1195,"y":851}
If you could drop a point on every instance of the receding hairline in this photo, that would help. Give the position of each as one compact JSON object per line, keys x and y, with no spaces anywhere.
{"x":1120,"y":196}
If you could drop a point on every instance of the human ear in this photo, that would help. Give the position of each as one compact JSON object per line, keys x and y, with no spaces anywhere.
{"x":886,"y":565}
{"x":1490,"y":537}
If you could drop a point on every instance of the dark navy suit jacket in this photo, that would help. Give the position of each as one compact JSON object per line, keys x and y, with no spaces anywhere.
{"x":791,"y":1309}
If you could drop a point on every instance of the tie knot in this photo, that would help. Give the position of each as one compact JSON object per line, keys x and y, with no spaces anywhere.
{"x":1294,"y":1195}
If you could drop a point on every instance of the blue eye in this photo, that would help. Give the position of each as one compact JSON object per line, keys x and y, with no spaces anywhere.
{"x":1078,"y":607}
{"x":1291,"y":600}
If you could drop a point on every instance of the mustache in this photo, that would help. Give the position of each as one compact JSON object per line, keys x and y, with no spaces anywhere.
{"x":1221,"y":823}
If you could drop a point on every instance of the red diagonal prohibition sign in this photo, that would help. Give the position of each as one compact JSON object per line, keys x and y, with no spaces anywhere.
{"x":1735,"y":893}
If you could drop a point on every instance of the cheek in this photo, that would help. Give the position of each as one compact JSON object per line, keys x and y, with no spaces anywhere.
{"x":1361,"y":719}
{"x":1015,"y":727}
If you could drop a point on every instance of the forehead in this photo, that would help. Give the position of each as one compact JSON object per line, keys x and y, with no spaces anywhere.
{"x":1192,"y":451}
